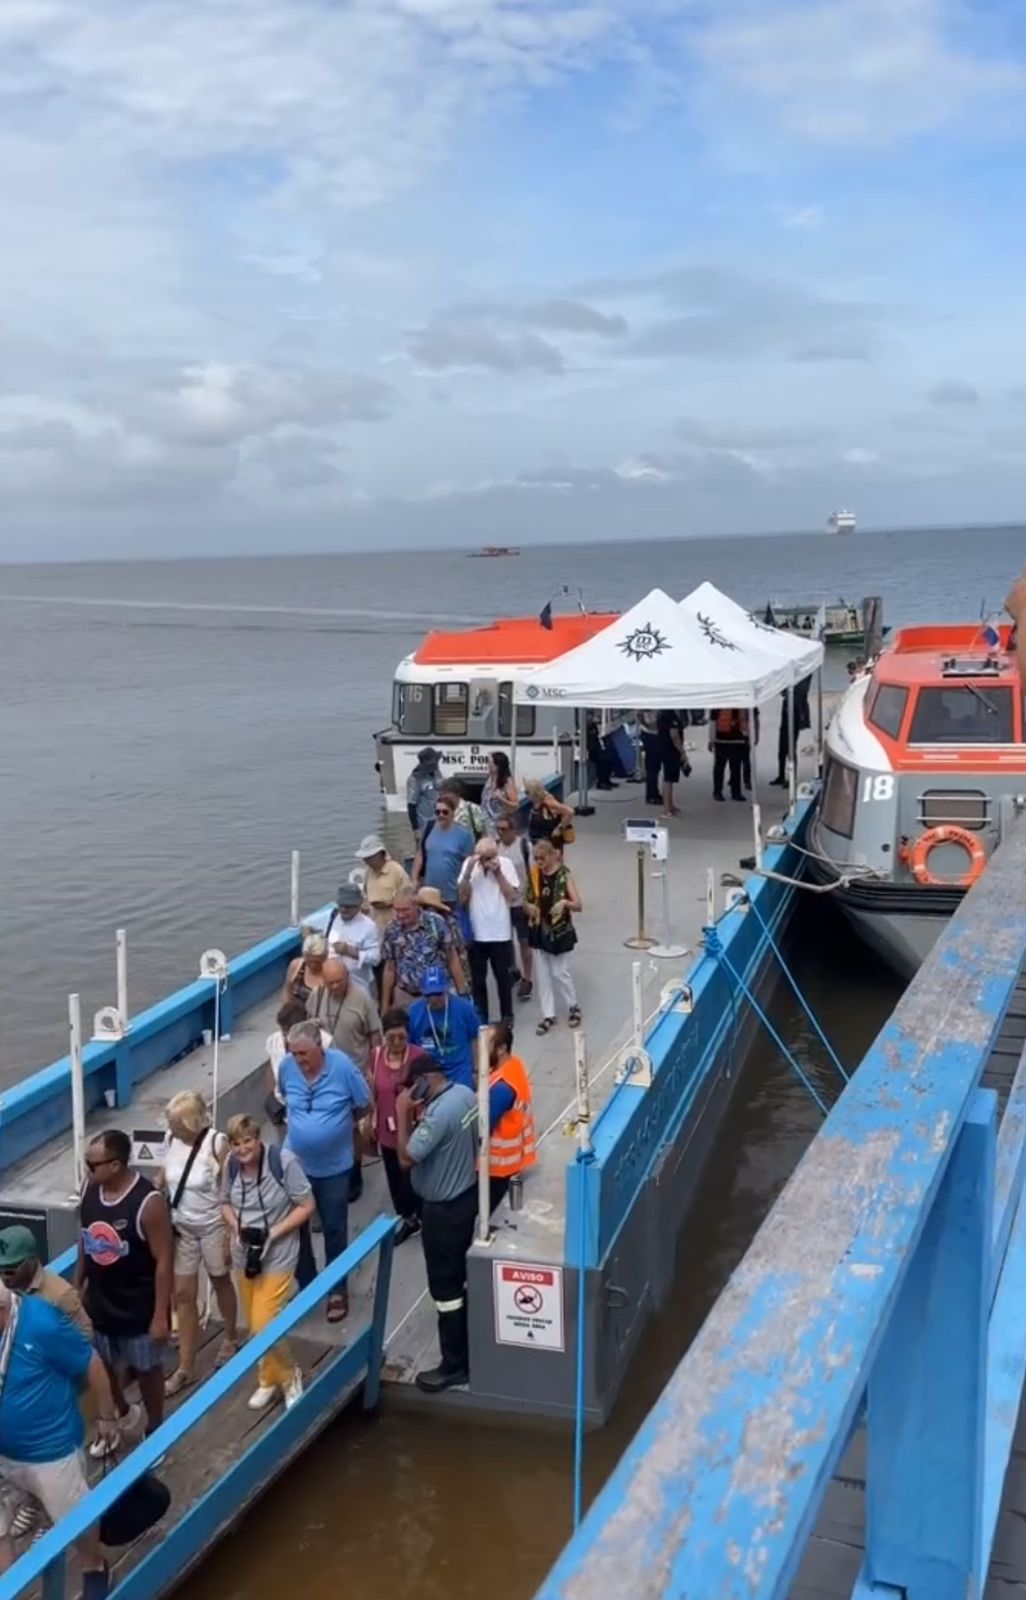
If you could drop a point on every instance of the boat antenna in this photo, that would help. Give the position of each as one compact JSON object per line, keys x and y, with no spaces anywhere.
{"x":563,"y":592}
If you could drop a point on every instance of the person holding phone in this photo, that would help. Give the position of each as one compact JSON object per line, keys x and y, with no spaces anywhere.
{"x":488,"y":887}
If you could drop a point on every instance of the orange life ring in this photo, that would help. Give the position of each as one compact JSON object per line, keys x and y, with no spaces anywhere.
{"x":919,"y":856}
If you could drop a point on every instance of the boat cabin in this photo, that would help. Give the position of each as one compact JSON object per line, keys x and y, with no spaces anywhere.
{"x":456,"y":693}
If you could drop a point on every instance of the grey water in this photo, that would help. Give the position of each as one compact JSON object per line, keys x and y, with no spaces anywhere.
{"x":171,"y":731}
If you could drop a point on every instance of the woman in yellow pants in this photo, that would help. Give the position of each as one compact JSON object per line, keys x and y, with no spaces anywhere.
{"x":266,"y":1199}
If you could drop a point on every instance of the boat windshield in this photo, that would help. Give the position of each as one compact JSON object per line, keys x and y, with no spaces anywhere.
{"x":963,"y":713}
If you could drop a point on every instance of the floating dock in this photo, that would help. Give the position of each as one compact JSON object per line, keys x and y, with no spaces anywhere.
{"x":848,"y":1421}
{"x":607,"y":1227}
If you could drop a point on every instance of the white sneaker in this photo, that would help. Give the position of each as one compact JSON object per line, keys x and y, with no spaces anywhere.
{"x":294,"y":1388}
{"x":263,"y":1395}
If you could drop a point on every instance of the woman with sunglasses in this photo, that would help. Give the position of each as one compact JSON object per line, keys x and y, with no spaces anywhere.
{"x":443,"y":848}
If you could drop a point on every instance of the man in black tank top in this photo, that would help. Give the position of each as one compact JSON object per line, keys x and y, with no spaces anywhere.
{"x":125,"y":1270}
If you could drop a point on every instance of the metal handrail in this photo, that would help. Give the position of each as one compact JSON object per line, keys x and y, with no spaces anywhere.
{"x":379,"y":1235}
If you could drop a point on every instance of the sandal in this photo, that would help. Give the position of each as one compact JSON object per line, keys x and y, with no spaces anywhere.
{"x":574,"y":1017}
{"x":179,"y":1380}
{"x":338,"y":1307}
{"x":229,"y":1348}
{"x":526,"y":989}
{"x":545,"y":1025}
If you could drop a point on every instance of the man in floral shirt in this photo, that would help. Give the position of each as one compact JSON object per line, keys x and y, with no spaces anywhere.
{"x":415,"y":940}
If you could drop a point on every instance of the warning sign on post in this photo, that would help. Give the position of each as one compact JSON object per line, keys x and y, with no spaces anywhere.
{"x":528,"y":1305}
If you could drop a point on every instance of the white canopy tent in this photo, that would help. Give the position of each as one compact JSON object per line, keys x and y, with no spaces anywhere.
{"x":657,"y":655}
{"x":707,"y":604}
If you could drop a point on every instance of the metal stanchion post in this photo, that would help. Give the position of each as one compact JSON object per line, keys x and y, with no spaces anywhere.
{"x":121,"y":938}
{"x":641,"y":941}
{"x":77,"y":1090}
{"x":484,"y":1206}
{"x":294,"y":892}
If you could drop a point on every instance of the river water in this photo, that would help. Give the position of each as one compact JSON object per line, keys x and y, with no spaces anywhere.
{"x":169,"y":732}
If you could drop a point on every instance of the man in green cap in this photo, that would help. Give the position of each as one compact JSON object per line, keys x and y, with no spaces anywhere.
{"x":22,"y":1271}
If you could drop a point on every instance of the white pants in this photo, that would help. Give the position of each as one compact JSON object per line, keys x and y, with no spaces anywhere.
{"x":553,"y":972}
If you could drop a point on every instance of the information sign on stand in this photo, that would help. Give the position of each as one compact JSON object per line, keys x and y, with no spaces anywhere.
{"x":528,"y":1305}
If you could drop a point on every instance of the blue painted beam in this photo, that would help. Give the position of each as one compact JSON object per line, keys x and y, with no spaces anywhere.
{"x":720,"y":1488}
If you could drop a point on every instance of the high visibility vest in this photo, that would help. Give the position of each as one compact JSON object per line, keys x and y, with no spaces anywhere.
{"x":512,"y":1147}
{"x":726,"y":727}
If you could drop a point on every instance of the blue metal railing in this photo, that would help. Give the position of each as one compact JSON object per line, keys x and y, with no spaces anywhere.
{"x":195,"y":1529}
{"x":891,"y":1274}
{"x":39,"y":1107}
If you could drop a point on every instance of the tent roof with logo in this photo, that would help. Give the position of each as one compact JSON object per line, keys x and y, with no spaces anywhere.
{"x":656,"y":655}
{"x":709,"y":604}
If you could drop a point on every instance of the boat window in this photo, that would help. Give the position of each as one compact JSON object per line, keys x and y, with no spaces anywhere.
{"x":963,"y":713}
{"x":888,"y":708}
{"x":411,"y":709}
{"x":525,"y":715}
{"x":840,"y":789}
{"x":451,"y":710}
{"x":963,"y":808}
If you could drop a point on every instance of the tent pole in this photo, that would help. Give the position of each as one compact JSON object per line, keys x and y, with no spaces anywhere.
{"x":584,"y":808}
{"x":756,"y":808}
{"x":792,"y":751}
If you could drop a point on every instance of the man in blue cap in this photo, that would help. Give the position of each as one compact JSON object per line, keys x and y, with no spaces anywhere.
{"x":446,"y":1025}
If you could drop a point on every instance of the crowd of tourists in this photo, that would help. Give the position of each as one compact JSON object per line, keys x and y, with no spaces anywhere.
{"x":375,"y":1056}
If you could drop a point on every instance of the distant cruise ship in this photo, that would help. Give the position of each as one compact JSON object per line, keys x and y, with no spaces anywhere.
{"x":841,"y":522}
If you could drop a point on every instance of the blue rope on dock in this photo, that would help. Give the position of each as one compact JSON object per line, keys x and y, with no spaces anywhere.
{"x":583,"y":1158}
{"x":785,"y":969}
{"x":714,"y":947}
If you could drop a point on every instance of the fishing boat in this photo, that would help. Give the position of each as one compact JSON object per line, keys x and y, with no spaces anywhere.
{"x":841,"y":522}
{"x":924,"y":763}
{"x":455,"y":693}
{"x":492,"y":550}
{"x":841,"y":622}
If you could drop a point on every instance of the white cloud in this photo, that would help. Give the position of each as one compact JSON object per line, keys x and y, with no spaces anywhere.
{"x":854,"y":71}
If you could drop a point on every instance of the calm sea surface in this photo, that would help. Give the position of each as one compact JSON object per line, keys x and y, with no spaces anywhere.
{"x":170,"y":732}
{"x":161,"y":756}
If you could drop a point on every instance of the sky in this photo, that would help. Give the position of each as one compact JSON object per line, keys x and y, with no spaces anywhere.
{"x":353,"y":274}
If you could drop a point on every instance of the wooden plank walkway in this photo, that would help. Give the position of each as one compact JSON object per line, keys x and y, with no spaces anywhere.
{"x":203,"y":1456}
{"x":833,"y":1558}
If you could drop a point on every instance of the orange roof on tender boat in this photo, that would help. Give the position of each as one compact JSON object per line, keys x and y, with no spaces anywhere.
{"x":521,"y":641}
{"x":917,"y":655}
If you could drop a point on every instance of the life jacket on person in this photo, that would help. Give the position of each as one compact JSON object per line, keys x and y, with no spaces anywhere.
{"x":512,"y":1146}
{"x":732,"y":724}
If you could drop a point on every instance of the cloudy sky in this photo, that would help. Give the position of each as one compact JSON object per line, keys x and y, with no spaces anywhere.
{"x":346,"y":273}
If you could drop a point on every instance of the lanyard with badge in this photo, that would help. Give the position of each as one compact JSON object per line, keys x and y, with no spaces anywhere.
{"x":442,"y":1045}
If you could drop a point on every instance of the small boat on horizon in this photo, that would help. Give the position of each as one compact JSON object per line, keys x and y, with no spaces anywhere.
{"x":492,"y":550}
{"x":841,"y":522}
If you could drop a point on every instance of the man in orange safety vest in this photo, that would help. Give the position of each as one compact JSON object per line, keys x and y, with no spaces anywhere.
{"x":511,"y":1148}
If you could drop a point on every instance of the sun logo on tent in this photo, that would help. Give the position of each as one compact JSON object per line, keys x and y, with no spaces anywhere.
{"x":644,"y":643}
{"x":713,"y":633}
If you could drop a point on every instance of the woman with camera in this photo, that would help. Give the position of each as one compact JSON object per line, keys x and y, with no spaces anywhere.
{"x":266,"y":1199}
{"x":194,"y":1157}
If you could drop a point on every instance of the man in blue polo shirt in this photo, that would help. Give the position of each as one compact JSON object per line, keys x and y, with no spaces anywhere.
{"x":446,"y":1025}
{"x":324,"y":1091}
{"x":46,"y":1362}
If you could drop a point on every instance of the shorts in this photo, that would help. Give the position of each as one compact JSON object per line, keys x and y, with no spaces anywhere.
{"x":136,"y":1351}
{"x":207,"y":1245}
{"x":671,"y":765}
{"x":57,"y":1485}
{"x":518,"y":917}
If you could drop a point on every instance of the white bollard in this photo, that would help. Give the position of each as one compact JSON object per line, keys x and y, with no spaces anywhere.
{"x":77,"y":1090}
{"x":294,"y":892}
{"x":583,"y":1093}
{"x":121,"y":938}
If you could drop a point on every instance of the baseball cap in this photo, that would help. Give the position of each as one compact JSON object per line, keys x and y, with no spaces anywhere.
{"x":429,"y":756}
{"x":422,"y":1064}
{"x":17,"y":1244}
{"x":436,"y":981}
{"x":349,"y":894}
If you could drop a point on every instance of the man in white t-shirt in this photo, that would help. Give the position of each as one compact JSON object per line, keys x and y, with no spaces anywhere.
{"x":352,"y":935}
{"x":488,"y":887}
